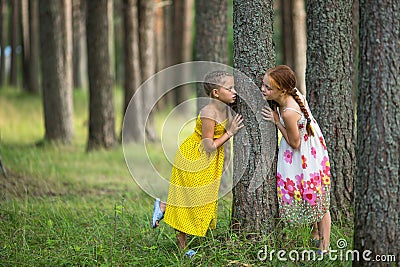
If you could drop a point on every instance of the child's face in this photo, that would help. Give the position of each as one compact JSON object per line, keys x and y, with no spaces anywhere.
{"x":227,"y":91}
{"x":268,"y":91}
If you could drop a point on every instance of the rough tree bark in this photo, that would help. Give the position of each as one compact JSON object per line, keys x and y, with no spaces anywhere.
{"x":254,"y":192}
{"x":377,"y":187}
{"x":329,"y":91}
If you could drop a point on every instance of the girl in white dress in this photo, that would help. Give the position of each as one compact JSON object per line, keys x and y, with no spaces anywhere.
{"x":303,"y":172}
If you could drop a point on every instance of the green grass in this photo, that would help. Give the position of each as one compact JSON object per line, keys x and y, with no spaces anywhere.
{"x":62,"y":206}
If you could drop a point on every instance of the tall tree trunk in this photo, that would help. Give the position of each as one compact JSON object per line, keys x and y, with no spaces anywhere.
{"x":294,"y":40}
{"x":14,"y":30}
{"x":211,"y":35}
{"x":25,"y":43}
{"x":169,"y":45}
{"x":118,"y":41}
{"x":147,"y":61}
{"x":183,"y":43}
{"x":67,"y":7}
{"x":55,"y":58}
{"x":287,"y":32}
{"x":329,"y":91}
{"x":3,"y":40}
{"x":79,"y":44}
{"x":377,"y":187}
{"x":135,"y":127}
{"x":111,"y":35}
{"x":355,"y":45}
{"x":34,"y":58}
{"x":299,"y":43}
{"x":254,"y":193}
{"x":160,"y":48}
{"x":101,"y":80}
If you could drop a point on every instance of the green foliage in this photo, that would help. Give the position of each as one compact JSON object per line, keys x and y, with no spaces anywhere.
{"x":62,"y":206}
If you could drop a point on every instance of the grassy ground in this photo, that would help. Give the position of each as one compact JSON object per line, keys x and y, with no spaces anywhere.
{"x":62,"y":206}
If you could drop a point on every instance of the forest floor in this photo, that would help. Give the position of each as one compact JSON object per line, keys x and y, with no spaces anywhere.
{"x":63,"y":206}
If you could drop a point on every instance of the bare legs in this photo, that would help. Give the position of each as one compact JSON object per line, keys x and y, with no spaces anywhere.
{"x":324,"y":231}
{"x":314,"y":233}
{"x":181,"y":239}
{"x":180,"y":236}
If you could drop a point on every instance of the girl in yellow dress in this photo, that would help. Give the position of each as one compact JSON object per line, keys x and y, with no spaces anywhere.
{"x":191,"y":206}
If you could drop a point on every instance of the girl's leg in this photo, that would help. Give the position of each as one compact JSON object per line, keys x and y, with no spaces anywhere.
{"x":181,"y":239}
{"x":163,"y":205}
{"x":314,"y":233}
{"x":324,"y":228}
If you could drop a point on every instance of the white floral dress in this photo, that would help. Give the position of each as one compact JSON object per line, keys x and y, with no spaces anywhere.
{"x":303,"y":175}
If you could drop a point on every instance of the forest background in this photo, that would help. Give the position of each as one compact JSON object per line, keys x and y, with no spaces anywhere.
{"x":70,"y":68}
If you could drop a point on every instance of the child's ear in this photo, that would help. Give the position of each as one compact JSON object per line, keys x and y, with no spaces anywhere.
{"x":215,"y":93}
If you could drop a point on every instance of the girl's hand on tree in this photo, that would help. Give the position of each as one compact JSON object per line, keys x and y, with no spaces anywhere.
{"x":269,"y":115}
{"x":235,"y":125}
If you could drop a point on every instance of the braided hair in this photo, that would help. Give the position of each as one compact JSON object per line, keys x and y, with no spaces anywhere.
{"x":284,"y":79}
{"x":214,"y":80}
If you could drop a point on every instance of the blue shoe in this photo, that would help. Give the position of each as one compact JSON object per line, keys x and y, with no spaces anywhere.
{"x":158,"y":215}
{"x":190,"y":253}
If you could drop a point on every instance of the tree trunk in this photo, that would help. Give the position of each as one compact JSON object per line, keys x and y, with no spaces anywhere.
{"x":169,"y":45}
{"x":118,"y":41}
{"x":55,"y":58}
{"x":147,"y":61}
{"x":287,"y":32}
{"x":69,"y":43}
{"x":329,"y":91}
{"x":183,"y":44}
{"x":79,"y":44}
{"x":355,"y":45}
{"x":101,"y":80}
{"x":3,"y":41}
{"x":294,"y":40}
{"x":211,"y":36}
{"x":25,"y":43}
{"x":14,"y":29}
{"x":135,"y":127}
{"x":299,"y":43}
{"x":160,"y":48}
{"x":111,"y":35}
{"x":34,"y":58}
{"x":254,"y":193}
{"x":377,"y":187}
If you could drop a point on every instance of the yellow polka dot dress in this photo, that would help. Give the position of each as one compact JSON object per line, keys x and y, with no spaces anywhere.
{"x":195,"y":179}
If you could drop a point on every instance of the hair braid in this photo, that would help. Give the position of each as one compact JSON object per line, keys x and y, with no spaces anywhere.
{"x":293,"y":92}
